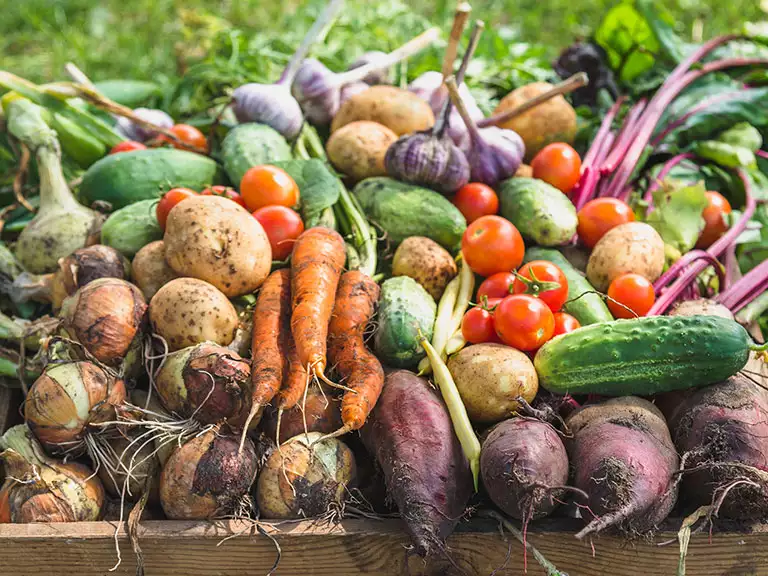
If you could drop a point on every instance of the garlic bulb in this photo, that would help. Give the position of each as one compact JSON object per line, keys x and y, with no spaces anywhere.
{"x":379,"y":76}
{"x":132,"y":131}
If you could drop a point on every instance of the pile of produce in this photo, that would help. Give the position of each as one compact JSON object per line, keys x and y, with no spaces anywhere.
{"x":369,"y":289}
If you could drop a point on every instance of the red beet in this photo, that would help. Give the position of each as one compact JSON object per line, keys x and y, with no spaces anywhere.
{"x":624,"y":459}
{"x":427,"y":475}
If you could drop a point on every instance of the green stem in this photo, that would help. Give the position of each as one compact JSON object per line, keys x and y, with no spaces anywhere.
{"x":316,"y":148}
{"x":364,"y":236}
{"x":752,"y":311}
{"x":10,"y":330}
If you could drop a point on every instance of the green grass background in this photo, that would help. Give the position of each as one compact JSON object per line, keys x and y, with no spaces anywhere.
{"x":150,"y":39}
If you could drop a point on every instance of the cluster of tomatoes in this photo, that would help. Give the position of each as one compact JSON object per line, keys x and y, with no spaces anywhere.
{"x":187,"y":137}
{"x":268,"y":192}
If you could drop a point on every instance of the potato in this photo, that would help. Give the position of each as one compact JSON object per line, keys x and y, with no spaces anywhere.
{"x":524,"y":171}
{"x":550,"y":121}
{"x":358,"y":149}
{"x":188,"y":311}
{"x":490,"y":377}
{"x":632,"y":247}
{"x":150,"y":270}
{"x":425,"y":261}
{"x":397,"y":109}
{"x":217,"y":240}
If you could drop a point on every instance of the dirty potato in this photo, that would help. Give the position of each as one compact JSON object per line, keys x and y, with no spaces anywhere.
{"x":425,"y":261}
{"x":399,"y":110}
{"x":358,"y":149}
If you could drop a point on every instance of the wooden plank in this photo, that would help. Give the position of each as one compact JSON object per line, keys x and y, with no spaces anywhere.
{"x":355,"y":547}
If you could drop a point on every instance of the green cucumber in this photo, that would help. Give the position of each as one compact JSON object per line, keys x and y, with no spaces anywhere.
{"x":128,"y":177}
{"x":131,"y":228}
{"x":589,"y":308}
{"x":405,"y":308}
{"x":403,"y":210}
{"x":541,"y":212}
{"x":131,"y":93}
{"x":643,"y":356}
{"x":251,"y":145}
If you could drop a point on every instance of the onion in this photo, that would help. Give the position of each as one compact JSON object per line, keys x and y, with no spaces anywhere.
{"x":40,"y":489}
{"x":206,"y":382}
{"x":207,"y":476}
{"x":74,"y":271}
{"x":106,"y":317}
{"x":305,"y":478}
{"x":67,"y":399}
{"x":129,"y":461}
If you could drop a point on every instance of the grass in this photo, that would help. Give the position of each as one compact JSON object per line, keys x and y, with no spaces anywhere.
{"x":153,"y":39}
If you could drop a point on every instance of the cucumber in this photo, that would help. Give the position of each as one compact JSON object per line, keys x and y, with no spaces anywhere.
{"x":131,"y":93}
{"x":405,"y":307}
{"x":590,"y":308}
{"x":251,"y":145}
{"x":404,"y":210}
{"x":541,"y":212}
{"x":643,"y":356}
{"x":128,"y":177}
{"x":131,"y":228}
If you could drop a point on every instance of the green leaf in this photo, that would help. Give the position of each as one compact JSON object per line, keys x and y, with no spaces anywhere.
{"x":319,"y":188}
{"x":628,"y":40}
{"x":662,"y":26}
{"x":677,"y":214}
{"x":726,"y":155}
{"x":753,"y":242}
{"x":742,"y":134}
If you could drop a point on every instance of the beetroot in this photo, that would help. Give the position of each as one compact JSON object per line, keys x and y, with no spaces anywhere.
{"x":427,"y":475}
{"x":524,"y":467}
{"x":721,"y":431}
{"x":624,"y":459}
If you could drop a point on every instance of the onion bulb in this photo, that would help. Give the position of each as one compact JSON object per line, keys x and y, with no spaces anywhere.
{"x":305,"y":478}
{"x":129,"y":461}
{"x":206,"y":382}
{"x":207,"y":476}
{"x":67,"y":399}
{"x":105,"y":316}
{"x":40,"y":489}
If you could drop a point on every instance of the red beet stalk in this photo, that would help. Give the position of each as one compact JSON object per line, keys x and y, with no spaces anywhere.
{"x":751,"y":285}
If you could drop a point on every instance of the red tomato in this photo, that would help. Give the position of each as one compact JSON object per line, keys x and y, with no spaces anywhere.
{"x":600,"y":215}
{"x":268,"y":186}
{"x":475,"y":200}
{"x":189,"y":135}
{"x":634,"y":292}
{"x":715,"y":223}
{"x":477,"y":326}
{"x":282,"y":226}
{"x":565,"y":323}
{"x":225,"y":192}
{"x":169,"y":200}
{"x":127,"y":146}
{"x":492,"y":244}
{"x":524,"y":322}
{"x":545,"y":281}
{"x":558,"y":164}
{"x":497,"y":286}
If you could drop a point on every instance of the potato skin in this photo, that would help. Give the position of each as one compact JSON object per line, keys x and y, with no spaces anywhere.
{"x":490,"y":377}
{"x":524,"y":171}
{"x":150,"y":270}
{"x":551,"y":121}
{"x":425,"y":261}
{"x":358,"y":149}
{"x":397,"y":109}
{"x":216,"y":240}
{"x":633,"y":247}
{"x":188,"y":311}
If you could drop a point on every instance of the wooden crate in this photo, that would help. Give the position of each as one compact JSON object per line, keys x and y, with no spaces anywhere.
{"x":355,"y":547}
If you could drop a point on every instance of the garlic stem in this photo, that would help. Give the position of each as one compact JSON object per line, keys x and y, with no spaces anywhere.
{"x":318,"y":29}
{"x":575,"y":82}
{"x":78,"y":75}
{"x":453,"y":90}
{"x":460,"y":18}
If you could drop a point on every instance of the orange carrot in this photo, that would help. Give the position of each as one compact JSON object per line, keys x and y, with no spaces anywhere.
{"x":355,"y":304}
{"x":316,"y":264}
{"x":271,"y":330}
{"x":295,"y":382}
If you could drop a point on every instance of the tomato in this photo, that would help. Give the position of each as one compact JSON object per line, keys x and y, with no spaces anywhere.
{"x":282,"y":226}
{"x":565,"y":323}
{"x":492,"y":244}
{"x":225,"y":192}
{"x":600,"y":215}
{"x":715,"y":223}
{"x":558,"y":164}
{"x":268,"y":186}
{"x":475,"y":200}
{"x":477,"y":326}
{"x":127,"y":146}
{"x":544,"y":280}
{"x":497,"y":286}
{"x":524,"y":322}
{"x":188,"y":135}
{"x":169,"y":200}
{"x":634,"y":292}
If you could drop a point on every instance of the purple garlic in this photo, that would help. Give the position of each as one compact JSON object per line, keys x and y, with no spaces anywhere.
{"x":427,"y":159}
{"x":381,"y":76}
{"x":139,"y":133}
{"x":351,"y":89}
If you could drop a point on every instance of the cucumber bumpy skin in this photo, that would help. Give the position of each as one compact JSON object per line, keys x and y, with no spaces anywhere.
{"x":643,"y":356}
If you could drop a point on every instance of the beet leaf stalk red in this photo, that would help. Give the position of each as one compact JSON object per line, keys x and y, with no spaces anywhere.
{"x":741,"y":293}
{"x":686,"y":260}
{"x":624,"y":138}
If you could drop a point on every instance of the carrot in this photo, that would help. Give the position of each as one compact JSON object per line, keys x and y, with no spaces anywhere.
{"x":295,"y":381}
{"x":268,"y":344}
{"x":316,"y":264}
{"x":355,"y":303}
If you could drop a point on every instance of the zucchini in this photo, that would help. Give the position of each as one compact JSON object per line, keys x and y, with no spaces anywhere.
{"x":590,"y":308}
{"x":251,"y":145}
{"x":643,"y":356}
